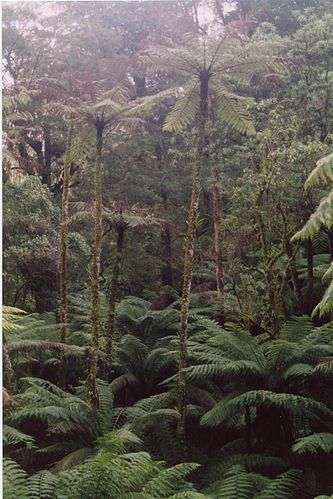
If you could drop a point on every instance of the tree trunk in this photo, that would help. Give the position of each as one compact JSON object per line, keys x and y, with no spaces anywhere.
{"x":113,"y":297}
{"x":294,"y":277}
{"x":8,"y":371}
{"x":91,"y":390}
{"x":310,"y":278}
{"x":166,"y":270}
{"x":217,"y":233}
{"x":64,"y":239}
{"x":189,"y":256}
{"x":46,"y":173}
{"x":63,"y":314}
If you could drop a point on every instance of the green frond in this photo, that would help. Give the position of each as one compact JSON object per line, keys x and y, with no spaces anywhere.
{"x":123,"y":381}
{"x":41,"y":485}
{"x":168,"y":481}
{"x":72,"y":459}
{"x":296,"y":329}
{"x":298,"y":371}
{"x":323,"y":216}
{"x":185,"y":109}
{"x":148,"y":104}
{"x":251,"y":462}
{"x":325,"y":306}
{"x":314,"y":443}
{"x":329,"y":272}
{"x":293,"y":404}
{"x":233,"y":110}
{"x":227,"y":371}
{"x":12,"y":436}
{"x":14,"y":479}
{"x":258,"y":59}
{"x":106,"y":103}
{"x":283,"y":486}
{"x":188,"y":494}
{"x":27,"y":347}
{"x":322,"y":174}
{"x":236,"y":483}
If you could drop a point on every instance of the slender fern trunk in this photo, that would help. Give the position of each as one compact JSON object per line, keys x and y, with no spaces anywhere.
{"x":46,"y":174}
{"x":113,"y":297}
{"x":217,"y":233}
{"x":8,"y":371}
{"x":310,"y":277}
{"x":63,"y":314}
{"x":297,"y":286}
{"x":189,"y":256}
{"x":91,"y":390}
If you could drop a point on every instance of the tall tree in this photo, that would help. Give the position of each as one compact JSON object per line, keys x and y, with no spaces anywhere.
{"x":210,"y":66}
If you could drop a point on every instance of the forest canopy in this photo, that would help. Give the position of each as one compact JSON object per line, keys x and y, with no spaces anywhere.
{"x":168,"y":249}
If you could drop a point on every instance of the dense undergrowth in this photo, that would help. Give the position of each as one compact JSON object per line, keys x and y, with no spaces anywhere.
{"x":168,"y":248}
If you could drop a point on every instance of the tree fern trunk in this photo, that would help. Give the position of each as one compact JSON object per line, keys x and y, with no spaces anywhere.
{"x":46,"y":174}
{"x":8,"y":371}
{"x":63,"y":315}
{"x":217,"y":233}
{"x":166,"y":270}
{"x":91,"y":390}
{"x":297,"y":287}
{"x":113,"y":296}
{"x":64,"y":239}
{"x":310,"y":277}
{"x":189,"y":256}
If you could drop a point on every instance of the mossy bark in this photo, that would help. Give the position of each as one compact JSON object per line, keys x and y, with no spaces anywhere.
{"x":310,"y":277}
{"x":217,"y":233}
{"x":8,"y":371}
{"x":189,"y":256}
{"x":113,"y":297}
{"x":91,"y":390}
{"x":63,"y":313}
{"x":296,"y":283}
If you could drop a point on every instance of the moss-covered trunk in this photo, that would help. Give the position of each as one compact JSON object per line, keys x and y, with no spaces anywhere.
{"x":113,"y":297}
{"x":91,"y":390}
{"x":189,"y":254}
{"x":8,"y":371}
{"x":63,"y":315}
{"x":217,"y":233}
{"x":310,"y":277}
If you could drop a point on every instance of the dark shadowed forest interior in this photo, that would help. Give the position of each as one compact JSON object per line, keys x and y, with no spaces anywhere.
{"x":168,"y":249}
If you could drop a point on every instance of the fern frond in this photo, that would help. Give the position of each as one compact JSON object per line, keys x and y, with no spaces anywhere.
{"x":41,"y":485}
{"x":323,"y":173}
{"x":283,"y":486}
{"x":233,"y":110}
{"x":293,"y":404}
{"x":12,"y":436}
{"x":314,"y":443}
{"x":323,"y":216}
{"x":185,"y":109}
{"x":14,"y":480}
{"x":168,"y":481}
{"x":236,"y":483}
{"x":325,"y":306}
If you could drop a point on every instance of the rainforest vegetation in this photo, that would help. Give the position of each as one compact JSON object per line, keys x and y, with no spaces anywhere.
{"x":167,"y":249}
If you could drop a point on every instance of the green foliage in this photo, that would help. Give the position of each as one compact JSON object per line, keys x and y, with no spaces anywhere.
{"x":258,"y":368}
{"x":314,"y":443}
